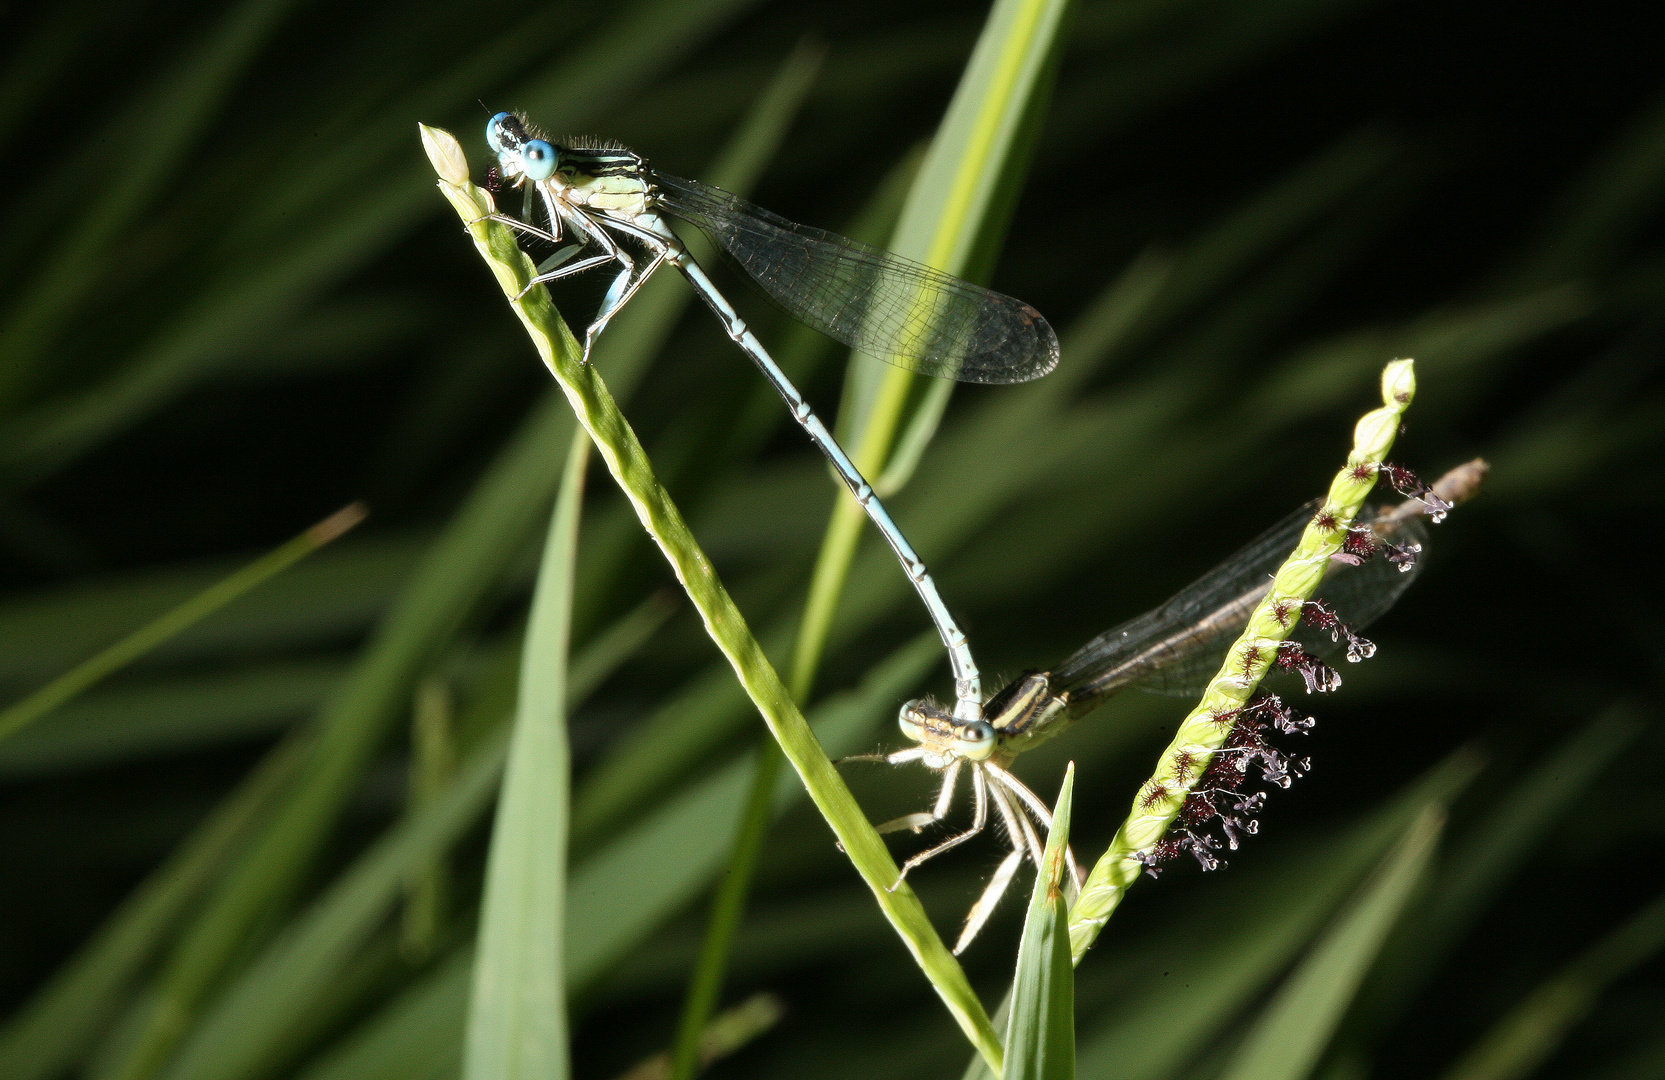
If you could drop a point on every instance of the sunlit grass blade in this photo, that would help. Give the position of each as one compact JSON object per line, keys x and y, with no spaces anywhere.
{"x":517,"y":1018}
{"x":1291,"y":1032}
{"x":723,"y":622}
{"x":953,"y":220}
{"x":1040,"y":1033}
{"x":146,"y":638}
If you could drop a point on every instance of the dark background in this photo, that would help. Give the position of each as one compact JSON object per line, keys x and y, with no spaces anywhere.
{"x":1519,"y":165}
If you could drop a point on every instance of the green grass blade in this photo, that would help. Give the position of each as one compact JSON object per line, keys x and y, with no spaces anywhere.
{"x":418,"y":1036}
{"x":1603,"y":211}
{"x":1532,"y":1030}
{"x":956,"y":212}
{"x":1040,"y":1036}
{"x":364,"y":205}
{"x":157,"y":130}
{"x":623,"y":892}
{"x":1290,"y":1034}
{"x":54,"y":1028}
{"x":335,"y":593}
{"x":432,"y":771}
{"x":170,"y":715}
{"x":628,"y":888}
{"x":1482,"y":859}
{"x":517,"y":1026}
{"x":779,"y":102}
{"x":146,"y":638}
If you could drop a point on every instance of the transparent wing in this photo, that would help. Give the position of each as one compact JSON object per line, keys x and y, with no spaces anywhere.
{"x":1177,"y":648}
{"x":874,"y":302}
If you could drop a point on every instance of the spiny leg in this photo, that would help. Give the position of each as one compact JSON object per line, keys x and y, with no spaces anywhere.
{"x":979,"y":820}
{"x":1036,"y":807}
{"x":915,"y":822}
{"x":658,"y":240}
{"x":1023,"y":834}
{"x":985,"y":905}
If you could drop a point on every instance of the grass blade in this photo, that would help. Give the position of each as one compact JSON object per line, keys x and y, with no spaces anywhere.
{"x":517,"y":1026}
{"x":146,"y":638}
{"x":1292,"y":1032}
{"x":1532,"y":1030}
{"x":723,"y":622}
{"x":54,"y":1029}
{"x":246,"y":1026}
{"x":1040,"y":1036}
{"x":463,"y":564}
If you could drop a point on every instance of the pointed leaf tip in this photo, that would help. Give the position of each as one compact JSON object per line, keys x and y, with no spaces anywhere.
{"x":1399,"y":382}
{"x":445,"y":153}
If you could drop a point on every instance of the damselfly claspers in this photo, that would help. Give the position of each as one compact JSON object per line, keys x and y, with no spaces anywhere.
{"x":875,"y":302}
{"x":1173,"y":649}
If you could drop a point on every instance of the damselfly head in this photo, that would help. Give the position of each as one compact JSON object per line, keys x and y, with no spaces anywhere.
{"x":944,"y":736}
{"x":520,"y":153}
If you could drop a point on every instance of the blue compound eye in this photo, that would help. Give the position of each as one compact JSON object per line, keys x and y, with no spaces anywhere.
{"x":538,"y":158}
{"x":493,"y":126}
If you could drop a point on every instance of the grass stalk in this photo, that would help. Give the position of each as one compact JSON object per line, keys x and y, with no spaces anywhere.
{"x":628,"y":463}
{"x":1202,"y":733}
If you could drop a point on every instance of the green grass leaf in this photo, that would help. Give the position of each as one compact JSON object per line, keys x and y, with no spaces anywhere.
{"x":517,"y":1026}
{"x":1531,"y":1031}
{"x":1040,"y":1035}
{"x":1291,"y":1032}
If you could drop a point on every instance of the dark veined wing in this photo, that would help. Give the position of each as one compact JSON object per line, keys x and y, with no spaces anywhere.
{"x":874,"y":302}
{"x":1178,"y":647}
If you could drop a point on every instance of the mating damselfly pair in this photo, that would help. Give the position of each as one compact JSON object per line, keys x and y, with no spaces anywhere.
{"x":601,"y":201}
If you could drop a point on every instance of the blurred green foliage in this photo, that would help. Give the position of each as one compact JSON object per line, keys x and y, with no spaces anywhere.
{"x":230,"y":302}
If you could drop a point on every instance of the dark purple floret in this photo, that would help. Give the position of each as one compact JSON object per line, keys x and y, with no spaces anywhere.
{"x":1408,"y":484}
{"x":1320,"y":677}
{"x":1221,"y":807}
{"x":1272,"y":709}
{"x":1321,"y":615}
{"x":1358,"y":546}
